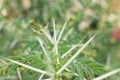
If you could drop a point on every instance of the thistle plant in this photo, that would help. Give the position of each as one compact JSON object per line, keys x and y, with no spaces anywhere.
{"x":47,"y":61}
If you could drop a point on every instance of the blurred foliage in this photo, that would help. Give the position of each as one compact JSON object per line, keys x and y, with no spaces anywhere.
{"x":84,"y":19}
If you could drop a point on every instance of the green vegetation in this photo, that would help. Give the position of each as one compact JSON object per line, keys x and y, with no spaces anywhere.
{"x":59,"y":40}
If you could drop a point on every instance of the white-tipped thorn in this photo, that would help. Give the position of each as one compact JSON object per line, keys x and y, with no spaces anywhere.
{"x":47,"y":33}
{"x":55,"y":42}
{"x":19,"y":74}
{"x":107,"y":74}
{"x":61,"y":32}
{"x":41,"y":44}
{"x":75,"y":55}
{"x":66,"y":53}
{"x":29,"y":67}
{"x":41,"y":77}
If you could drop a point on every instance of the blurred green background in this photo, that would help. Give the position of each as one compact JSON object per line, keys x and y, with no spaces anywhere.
{"x":86,"y":17}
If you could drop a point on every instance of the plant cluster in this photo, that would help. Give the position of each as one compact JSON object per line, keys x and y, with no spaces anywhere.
{"x":44,"y":49}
